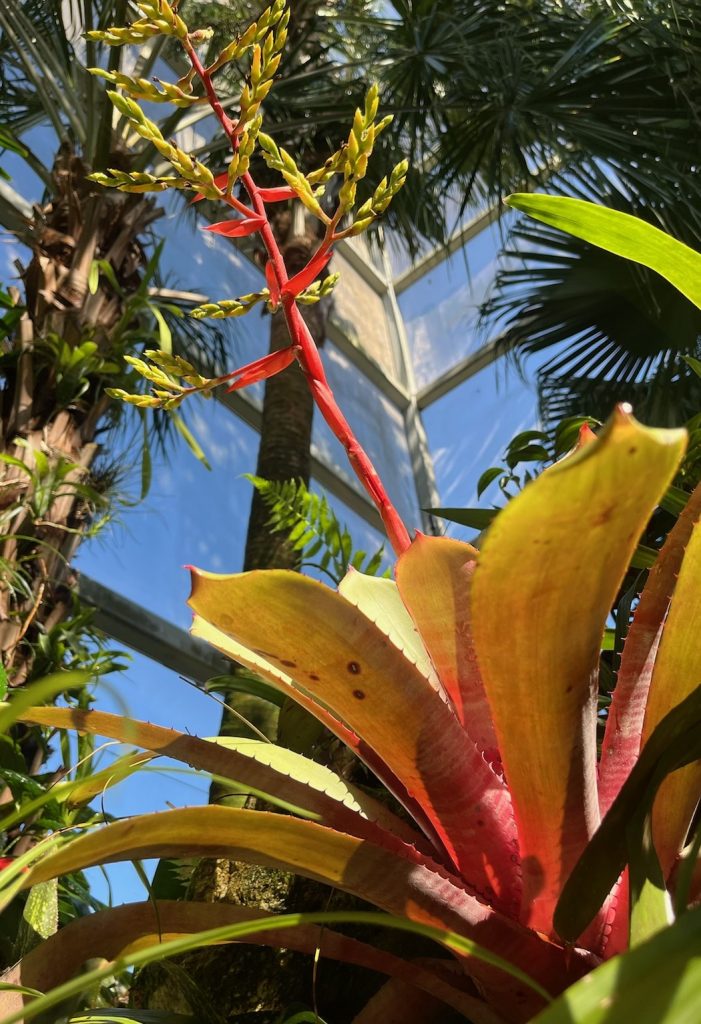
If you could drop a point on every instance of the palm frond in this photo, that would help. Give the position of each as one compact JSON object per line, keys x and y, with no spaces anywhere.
{"x":616,"y":330}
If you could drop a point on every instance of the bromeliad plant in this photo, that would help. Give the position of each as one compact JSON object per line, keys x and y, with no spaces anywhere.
{"x":467,"y":684}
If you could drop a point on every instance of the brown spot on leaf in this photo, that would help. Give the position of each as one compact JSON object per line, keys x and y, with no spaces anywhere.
{"x":288,"y":664}
{"x":604,"y":516}
{"x":314,"y":677}
{"x":354,"y":668}
{"x":359,"y":694}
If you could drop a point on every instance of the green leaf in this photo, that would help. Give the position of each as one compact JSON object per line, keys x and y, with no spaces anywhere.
{"x":3,"y":682}
{"x":37,"y":693}
{"x":523,"y":439}
{"x":658,"y":981}
{"x":107,"y":269}
{"x":39,"y":917}
{"x":94,"y":277}
{"x":165,"y":336}
{"x":171,"y":879}
{"x":674,"y":500}
{"x":190,"y":439}
{"x":245,"y":682}
{"x":695,"y":364}
{"x":531,"y":453}
{"x":644,"y":557}
{"x":487,"y":478}
{"x":131,"y":1017}
{"x":621,"y":234}
{"x":476,"y":518}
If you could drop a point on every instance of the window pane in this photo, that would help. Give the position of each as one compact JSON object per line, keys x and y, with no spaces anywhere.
{"x":469,"y":428}
{"x":360,"y":311}
{"x":191,"y":516}
{"x":440,"y":310}
{"x":379,"y":426}
{"x":149,"y":692}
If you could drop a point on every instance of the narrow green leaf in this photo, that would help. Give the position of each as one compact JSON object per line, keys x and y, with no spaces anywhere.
{"x":94,"y":277}
{"x":476,"y":518}
{"x":658,"y":981}
{"x":695,"y":364}
{"x":131,"y":1017}
{"x":451,"y":940}
{"x":22,"y":989}
{"x":107,"y":269}
{"x":165,"y":336}
{"x":190,"y":440}
{"x":621,"y":234}
{"x":674,"y":500}
{"x":644,"y":557}
{"x":3,"y":682}
{"x":43,"y":690}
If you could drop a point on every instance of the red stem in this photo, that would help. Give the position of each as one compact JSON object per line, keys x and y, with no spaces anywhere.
{"x":306,"y":351}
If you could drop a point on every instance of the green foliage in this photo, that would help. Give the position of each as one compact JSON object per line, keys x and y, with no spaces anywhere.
{"x":658,"y":981}
{"x":619,"y":233}
{"x":11,"y":314}
{"x":314,"y":529}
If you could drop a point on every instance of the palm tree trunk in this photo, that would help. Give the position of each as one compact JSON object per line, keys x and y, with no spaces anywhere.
{"x":49,"y":414}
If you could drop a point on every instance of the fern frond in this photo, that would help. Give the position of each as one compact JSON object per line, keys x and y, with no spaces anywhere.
{"x":314,"y":529}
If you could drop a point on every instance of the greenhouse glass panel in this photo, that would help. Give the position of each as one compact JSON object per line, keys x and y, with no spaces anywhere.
{"x":149,"y":692}
{"x":191,"y":515}
{"x":469,"y":428}
{"x":440,"y":310}
{"x":360,"y":312}
{"x":379,"y":427}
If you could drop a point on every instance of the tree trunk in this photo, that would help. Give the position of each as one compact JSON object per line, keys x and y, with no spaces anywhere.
{"x":51,"y":404}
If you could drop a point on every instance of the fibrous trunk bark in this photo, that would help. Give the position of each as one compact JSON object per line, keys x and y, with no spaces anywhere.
{"x":51,"y":404}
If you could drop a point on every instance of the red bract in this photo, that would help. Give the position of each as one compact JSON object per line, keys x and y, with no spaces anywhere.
{"x":220,"y":181}
{"x":277,"y":195}
{"x":304,"y":278}
{"x":273,"y":285}
{"x":237,"y":228}
{"x":261,"y":369}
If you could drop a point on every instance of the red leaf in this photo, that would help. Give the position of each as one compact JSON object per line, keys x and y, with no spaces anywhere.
{"x":308,"y":274}
{"x":277,"y":195}
{"x":273,"y":286}
{"x":220,"y":181}
{"x":237,"y":228}
{"x":263,"y":368}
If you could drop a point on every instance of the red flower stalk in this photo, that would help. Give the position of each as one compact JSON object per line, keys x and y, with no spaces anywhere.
{"x":283,"y":290}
